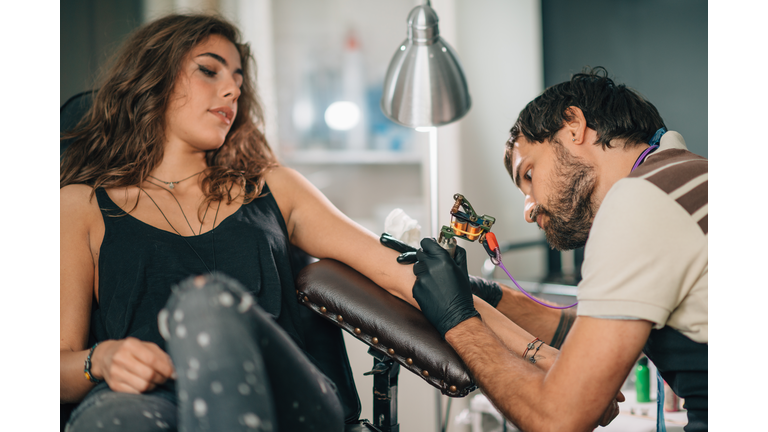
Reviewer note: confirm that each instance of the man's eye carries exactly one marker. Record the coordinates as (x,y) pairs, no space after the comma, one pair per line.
(207,72)
(527,175)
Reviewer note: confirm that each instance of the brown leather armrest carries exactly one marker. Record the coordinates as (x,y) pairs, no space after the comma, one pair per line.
(383,321)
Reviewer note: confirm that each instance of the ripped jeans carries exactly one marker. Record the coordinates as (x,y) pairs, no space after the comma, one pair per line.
(237,371)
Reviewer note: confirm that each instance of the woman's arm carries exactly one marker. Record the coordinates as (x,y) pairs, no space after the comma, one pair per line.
(317,227)
(76,289)
(127,365)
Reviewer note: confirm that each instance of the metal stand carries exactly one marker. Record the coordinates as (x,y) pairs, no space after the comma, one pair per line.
(385,371)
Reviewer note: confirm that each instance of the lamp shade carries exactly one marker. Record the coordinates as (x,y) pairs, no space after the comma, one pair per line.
(425,84)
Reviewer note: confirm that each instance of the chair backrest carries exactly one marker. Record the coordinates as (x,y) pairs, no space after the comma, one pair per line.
(69,115)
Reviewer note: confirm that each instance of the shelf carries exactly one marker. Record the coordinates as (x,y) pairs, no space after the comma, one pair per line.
(350,157)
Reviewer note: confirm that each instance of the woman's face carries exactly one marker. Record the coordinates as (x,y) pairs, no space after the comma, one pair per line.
(203,103)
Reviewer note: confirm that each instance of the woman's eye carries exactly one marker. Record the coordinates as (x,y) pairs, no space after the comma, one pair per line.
(207,72)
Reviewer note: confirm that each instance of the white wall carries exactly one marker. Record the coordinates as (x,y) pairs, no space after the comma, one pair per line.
(499,42)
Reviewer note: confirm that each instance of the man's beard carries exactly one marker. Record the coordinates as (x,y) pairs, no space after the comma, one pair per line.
(571,210)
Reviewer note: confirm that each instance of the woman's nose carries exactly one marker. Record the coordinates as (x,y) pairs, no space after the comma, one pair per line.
(231,89)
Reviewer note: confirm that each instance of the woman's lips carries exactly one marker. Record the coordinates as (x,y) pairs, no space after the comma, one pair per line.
(226,114)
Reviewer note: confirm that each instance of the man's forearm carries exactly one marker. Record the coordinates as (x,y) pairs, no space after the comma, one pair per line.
(510,383)
(496,371)
(514,337)
(549,325)
(515,387)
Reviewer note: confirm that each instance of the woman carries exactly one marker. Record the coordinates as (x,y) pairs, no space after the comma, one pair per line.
(170,176)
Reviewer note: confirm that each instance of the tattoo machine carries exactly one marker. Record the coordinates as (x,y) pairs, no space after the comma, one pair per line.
(466,224)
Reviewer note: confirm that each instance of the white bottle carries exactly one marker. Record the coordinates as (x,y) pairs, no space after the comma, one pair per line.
(353,90)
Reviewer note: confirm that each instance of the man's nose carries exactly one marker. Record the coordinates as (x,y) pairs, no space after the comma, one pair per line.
(528,208)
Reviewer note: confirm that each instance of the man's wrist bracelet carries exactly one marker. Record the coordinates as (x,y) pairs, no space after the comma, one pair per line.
(530,347)
(533,356)
(87,370)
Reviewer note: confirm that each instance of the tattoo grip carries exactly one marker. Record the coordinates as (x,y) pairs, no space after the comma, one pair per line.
(448,244)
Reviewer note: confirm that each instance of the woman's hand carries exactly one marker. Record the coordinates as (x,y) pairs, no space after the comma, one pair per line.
(131,365)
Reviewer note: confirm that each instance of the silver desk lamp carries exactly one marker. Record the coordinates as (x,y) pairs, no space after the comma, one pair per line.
(425,87)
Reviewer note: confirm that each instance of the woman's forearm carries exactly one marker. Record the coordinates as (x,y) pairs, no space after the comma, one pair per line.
(73,386)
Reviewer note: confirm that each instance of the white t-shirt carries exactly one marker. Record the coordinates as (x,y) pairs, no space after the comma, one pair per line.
(646,256)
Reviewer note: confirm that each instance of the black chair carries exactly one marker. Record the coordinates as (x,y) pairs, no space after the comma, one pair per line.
(338,297)
(69,115)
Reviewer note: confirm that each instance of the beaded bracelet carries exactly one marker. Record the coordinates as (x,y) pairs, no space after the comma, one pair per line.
(530,347)
(87,370)
(533,356)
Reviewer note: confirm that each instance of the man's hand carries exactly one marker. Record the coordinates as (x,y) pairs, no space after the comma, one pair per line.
(485,289)
(612,411)
(442,286)
(131,365)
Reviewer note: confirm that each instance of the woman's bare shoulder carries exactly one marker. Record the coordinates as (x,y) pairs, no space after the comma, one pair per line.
(288,180)
(76,192)
(77,201)
(292,191)
(280,175)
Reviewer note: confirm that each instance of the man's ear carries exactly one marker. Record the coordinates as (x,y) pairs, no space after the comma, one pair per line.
(575,124)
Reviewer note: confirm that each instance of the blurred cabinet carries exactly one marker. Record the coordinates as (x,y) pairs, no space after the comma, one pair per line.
(330,58)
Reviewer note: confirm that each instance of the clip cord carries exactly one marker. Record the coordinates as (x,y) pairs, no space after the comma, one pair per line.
(501,264)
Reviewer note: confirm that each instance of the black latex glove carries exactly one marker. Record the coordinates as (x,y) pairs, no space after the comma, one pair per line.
(407,252)
(485,289)
(442,286)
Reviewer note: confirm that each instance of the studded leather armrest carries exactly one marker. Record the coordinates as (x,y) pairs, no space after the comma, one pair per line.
(388,324)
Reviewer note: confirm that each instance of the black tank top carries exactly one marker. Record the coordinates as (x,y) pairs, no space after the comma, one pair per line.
(138,265)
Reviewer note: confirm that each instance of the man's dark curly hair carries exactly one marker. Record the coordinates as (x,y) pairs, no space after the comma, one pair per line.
(614,111)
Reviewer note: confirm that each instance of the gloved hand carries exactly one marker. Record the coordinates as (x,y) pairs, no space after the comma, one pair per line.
(485,289)
(442,286)
(407,252)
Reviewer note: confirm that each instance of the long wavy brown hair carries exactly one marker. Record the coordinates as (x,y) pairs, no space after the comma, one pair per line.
(120,139)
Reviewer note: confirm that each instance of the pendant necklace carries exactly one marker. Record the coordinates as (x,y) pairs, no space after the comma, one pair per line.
(172,184)
(213,236)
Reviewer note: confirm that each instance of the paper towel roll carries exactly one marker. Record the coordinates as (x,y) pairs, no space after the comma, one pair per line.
(402,227)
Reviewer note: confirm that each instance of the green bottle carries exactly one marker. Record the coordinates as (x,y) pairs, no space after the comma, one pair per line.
(643,380)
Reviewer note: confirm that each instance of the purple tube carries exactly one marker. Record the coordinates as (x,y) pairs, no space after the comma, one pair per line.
(501,264)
